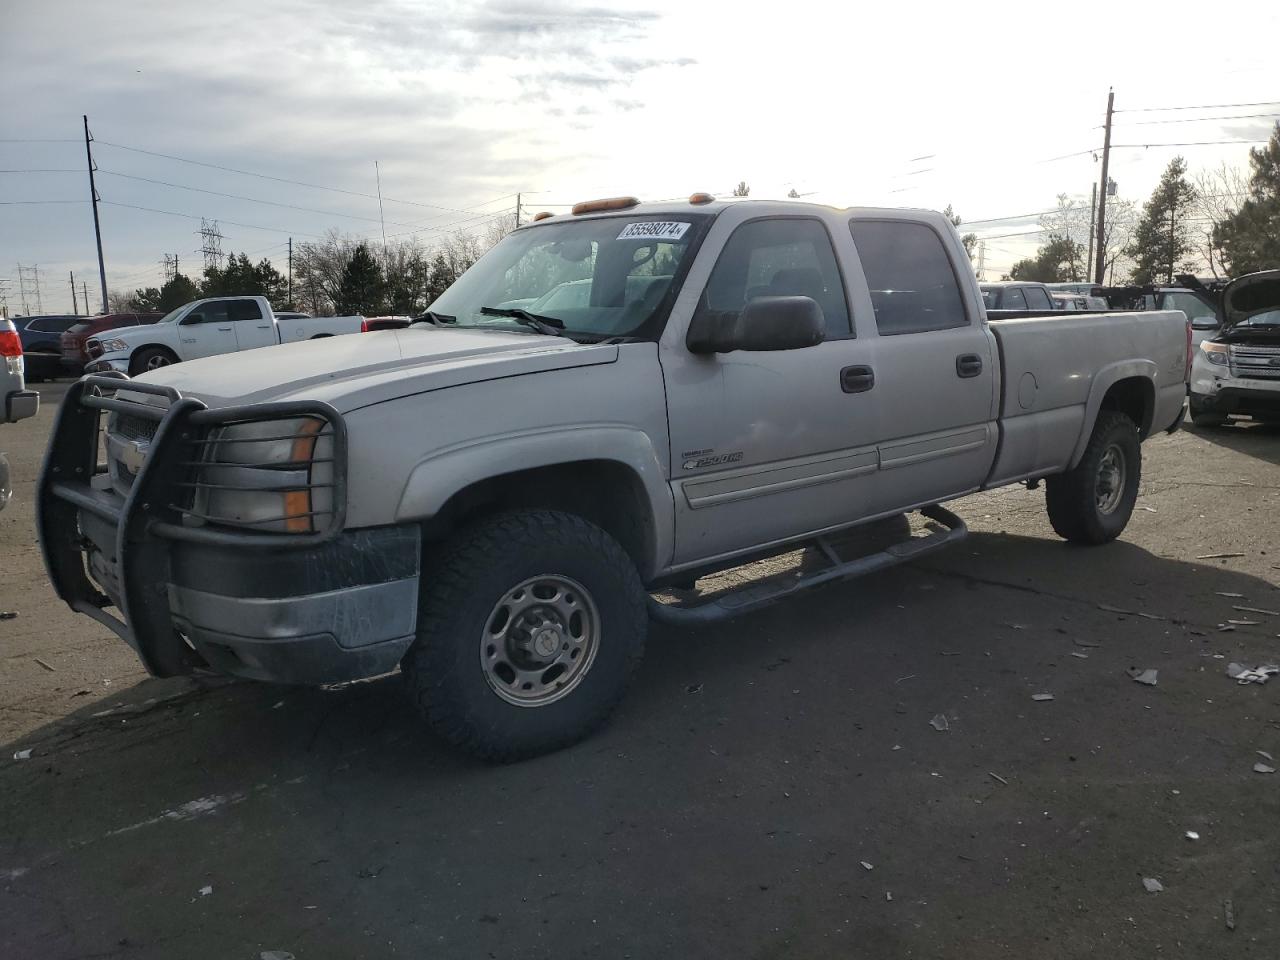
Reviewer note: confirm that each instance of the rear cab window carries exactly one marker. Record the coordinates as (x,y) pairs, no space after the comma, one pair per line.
(1037,299)
(779,257)
(914,288)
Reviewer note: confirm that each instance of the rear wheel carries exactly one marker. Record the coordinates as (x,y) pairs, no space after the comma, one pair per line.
(1093,502)
(153,358)
(529,628)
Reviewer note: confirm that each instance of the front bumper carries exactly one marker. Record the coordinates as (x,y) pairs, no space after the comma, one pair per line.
(316,608)
(108,365)
(1243,397)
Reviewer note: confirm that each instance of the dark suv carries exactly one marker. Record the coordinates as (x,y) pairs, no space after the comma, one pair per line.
(41,343)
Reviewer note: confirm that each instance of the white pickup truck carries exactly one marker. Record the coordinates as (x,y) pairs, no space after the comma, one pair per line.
(207,328)
(495,498)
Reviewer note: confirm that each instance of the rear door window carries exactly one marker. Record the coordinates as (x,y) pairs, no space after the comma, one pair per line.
(52,324)
(1037,299)
(1013,299)
(244,310)
(913,286)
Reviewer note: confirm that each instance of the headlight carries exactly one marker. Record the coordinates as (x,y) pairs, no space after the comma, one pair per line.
(1215,353)
(273,476)
(114,346)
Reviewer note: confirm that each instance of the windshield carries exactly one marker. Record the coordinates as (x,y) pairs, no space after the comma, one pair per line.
(172,314)
(1270,318)
(604,277)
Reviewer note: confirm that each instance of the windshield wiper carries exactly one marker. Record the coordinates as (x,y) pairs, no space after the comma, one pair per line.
(551,326)
(435,319)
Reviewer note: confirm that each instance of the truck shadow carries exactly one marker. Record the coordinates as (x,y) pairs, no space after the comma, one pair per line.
(1258,440)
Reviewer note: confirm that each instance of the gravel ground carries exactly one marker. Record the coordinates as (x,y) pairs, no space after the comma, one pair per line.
(770,788)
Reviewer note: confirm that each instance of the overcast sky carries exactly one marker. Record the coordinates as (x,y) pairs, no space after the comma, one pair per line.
(465,104)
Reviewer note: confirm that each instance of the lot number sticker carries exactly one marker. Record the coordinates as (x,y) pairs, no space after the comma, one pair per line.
(653,230)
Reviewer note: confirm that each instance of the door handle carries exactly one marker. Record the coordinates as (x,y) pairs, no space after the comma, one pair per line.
(968,365)
(857,379)
(264,326)
(225,329)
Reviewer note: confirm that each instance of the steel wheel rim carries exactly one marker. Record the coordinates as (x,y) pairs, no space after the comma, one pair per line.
(540,640)
(1109,485)
(156,362)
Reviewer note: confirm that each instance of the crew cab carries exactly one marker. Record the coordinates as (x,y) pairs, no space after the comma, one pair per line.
(498,500)
(16,401)
(1236,370)
(207,328)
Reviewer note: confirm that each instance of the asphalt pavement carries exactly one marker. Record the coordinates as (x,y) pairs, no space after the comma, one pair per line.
(774,787)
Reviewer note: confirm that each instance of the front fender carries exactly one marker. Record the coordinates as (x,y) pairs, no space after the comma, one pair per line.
(1103,381)
(446,472)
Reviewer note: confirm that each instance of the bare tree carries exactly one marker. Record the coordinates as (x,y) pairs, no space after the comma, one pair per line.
(1219,195)
(741,190)
(495,230)
(120,301)
(318,267)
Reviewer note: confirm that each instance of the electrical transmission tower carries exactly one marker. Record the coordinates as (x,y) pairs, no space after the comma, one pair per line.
(170,266)
(211,243)
(29,288)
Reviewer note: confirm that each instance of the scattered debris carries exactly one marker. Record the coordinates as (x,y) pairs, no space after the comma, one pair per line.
(897,746)
(1220,556)
(1148,509)
(206,891)
(1151,616)
(1078,655)
(1261,767)
(1245,623)
(1264,755)
(1143,676)
(1110,609)
(1152,885)
(277,705)
(44,664)
(1086,643)
(23,754)
(940,723)
(1265,613)
(275,955)
(997,778)
(1229,914)
(8,614)
(1225,628)
(1260,674)
(909,676)
(693,688)
(888,896)
(865,865)
(367,874)
(1233,596)
(1192,835)
(1042,696)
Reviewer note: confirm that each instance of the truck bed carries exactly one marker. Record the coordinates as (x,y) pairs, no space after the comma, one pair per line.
(1056,368)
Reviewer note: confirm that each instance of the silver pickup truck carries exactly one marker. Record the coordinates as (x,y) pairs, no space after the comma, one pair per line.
(492,497)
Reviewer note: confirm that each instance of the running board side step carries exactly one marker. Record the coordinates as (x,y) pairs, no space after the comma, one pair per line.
(753,597)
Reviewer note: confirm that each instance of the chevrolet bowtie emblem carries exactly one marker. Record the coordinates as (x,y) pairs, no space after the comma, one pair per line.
(133,454)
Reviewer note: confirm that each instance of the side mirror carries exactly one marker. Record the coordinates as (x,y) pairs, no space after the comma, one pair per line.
(765,323)
(1204,323)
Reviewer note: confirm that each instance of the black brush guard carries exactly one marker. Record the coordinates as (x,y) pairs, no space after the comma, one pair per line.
(151,516)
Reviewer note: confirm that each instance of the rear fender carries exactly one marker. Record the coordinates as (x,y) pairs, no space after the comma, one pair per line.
(1104,380)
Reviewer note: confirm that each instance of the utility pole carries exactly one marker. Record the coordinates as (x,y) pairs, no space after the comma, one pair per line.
(97,226)
(1173,221)
(1093,219)
(378,173)
(75,306)
(517,210)
(291,273)
(1099,252)
(982,259)
(84,289)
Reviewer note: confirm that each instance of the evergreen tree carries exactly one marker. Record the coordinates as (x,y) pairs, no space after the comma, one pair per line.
(970,240)
(362,288)
(1162,240)
(1250,240)
(1054,262)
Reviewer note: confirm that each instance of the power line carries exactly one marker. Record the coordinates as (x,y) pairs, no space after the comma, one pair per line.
(45,170)
(18,203)
(298,183)
(1239,116)
(19,140)
(1207,106)
(1191,143)
(191,216)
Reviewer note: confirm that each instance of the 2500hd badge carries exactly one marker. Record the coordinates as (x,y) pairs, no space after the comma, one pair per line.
(697,463)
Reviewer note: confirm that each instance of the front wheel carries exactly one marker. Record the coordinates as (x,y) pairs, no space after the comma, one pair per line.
(1093,502)
(153,358)
(529,629)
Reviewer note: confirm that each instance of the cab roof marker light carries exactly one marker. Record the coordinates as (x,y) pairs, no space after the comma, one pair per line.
(612,203)
(700,198)
(542,216)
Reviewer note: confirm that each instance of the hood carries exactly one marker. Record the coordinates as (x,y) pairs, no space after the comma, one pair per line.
(356,370)
(1249,296)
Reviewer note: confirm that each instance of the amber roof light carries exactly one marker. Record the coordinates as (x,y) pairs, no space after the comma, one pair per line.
(542,216)
(697,198)
(613,203)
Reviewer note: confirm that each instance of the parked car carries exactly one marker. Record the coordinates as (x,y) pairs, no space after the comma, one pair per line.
(495,499)
(1070,301)
(1201,308)
(1236,370)
(17,401)
(1017,295)
(207,328)
(41,343)
(72,342)
(1083,289)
